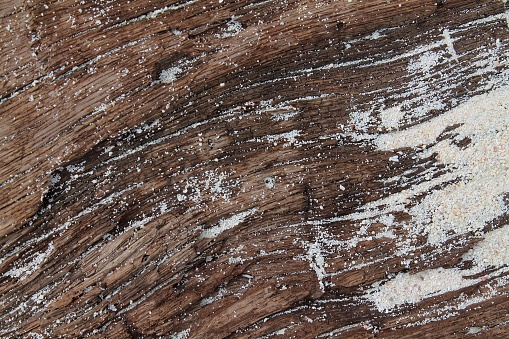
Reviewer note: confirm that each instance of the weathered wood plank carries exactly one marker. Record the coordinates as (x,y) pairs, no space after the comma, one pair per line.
(198,169)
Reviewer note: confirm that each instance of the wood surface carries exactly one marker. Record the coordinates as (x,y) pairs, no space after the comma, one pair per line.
(208,169)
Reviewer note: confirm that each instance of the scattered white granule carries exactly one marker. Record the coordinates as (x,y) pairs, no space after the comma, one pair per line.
(226,224)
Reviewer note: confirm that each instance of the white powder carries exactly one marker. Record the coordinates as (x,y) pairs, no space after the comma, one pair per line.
(290,138)
(29,268)
(412,288)
(492,251)
(495,102)
(233,28)
(408,288)
(226,224)
(481,167)
(317,262)
(168,76)
(426,62)
(391,117)
(450,46)
(181,335)
(479,172)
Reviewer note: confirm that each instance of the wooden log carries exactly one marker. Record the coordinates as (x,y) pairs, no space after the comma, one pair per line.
(213,169)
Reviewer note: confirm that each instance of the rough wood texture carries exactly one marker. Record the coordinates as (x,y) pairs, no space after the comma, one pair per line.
(212,169)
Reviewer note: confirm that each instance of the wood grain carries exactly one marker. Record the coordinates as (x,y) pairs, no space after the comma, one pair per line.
(213,169)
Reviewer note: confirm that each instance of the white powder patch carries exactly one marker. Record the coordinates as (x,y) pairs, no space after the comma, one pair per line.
(76,168)
(181,335)
(172,74)
(135,224)
(408,288)
(163,208)
(54,179)
(317,262)
(426,62)
(375,35)
(233,28)
(361,120)
(492,251)
(168,76)
(391,117)
(412,288)
(290,138)
(450,46)
(481,167)
(495,102)
(209,300)
(226,224)
(425,90)
(25,270)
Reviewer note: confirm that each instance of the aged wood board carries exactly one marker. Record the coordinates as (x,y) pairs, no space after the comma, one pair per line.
(254,169)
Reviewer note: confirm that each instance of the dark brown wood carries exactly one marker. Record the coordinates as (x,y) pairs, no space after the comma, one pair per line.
(218,169)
